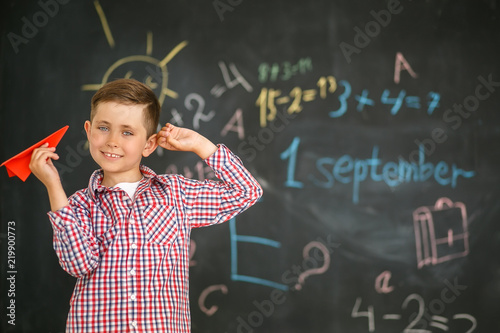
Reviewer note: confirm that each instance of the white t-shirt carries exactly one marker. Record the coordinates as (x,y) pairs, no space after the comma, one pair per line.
(130,188)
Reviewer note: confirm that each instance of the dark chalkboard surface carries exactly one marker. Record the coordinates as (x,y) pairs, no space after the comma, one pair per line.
(373,127)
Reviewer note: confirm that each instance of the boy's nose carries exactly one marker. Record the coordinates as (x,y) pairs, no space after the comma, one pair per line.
(112,141)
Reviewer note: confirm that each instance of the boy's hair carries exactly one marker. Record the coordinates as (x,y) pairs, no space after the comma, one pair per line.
(130,91)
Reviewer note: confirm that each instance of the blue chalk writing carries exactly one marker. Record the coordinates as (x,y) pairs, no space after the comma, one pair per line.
(342,99)
(387,97)
(363,100)
(349,170)
(291,154)
(396,102)
(434,101)
(413,102)
(235,238)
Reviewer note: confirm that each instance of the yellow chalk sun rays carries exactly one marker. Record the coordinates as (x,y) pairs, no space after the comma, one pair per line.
(147,59)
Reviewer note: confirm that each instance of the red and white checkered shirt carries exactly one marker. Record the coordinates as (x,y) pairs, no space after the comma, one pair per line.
(131,256)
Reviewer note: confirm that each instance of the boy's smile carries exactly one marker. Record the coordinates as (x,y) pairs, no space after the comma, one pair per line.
(118,141)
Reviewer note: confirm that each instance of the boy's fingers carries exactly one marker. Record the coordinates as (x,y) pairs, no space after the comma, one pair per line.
(173,143)
(43,155)
(160,138)
(44,147)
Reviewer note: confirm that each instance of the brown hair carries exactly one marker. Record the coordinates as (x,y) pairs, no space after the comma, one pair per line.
(130,91)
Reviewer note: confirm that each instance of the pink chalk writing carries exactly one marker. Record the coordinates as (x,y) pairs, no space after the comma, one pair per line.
(440,232)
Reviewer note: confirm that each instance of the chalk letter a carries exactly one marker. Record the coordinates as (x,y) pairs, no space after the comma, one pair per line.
(401,64)
(235,124)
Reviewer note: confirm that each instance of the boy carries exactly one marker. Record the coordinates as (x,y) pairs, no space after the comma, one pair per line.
(126,236)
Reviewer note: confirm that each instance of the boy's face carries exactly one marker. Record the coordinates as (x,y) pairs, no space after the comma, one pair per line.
(118,141)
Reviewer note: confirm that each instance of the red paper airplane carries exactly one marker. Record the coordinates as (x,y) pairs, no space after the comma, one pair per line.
(19,164)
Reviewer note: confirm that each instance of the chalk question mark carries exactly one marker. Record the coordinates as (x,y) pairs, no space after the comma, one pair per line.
(313,271)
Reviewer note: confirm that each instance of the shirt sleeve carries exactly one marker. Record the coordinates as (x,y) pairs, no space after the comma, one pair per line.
(74,242)
(210,202)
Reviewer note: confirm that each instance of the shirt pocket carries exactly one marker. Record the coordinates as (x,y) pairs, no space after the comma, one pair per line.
(161,224)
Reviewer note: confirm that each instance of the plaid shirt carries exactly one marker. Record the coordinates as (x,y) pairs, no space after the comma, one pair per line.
(131,257)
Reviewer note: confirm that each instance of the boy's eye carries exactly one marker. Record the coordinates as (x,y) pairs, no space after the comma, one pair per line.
(127,133)
(102,128)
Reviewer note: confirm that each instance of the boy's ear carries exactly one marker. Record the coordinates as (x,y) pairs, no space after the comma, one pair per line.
(87,127)
(150,147)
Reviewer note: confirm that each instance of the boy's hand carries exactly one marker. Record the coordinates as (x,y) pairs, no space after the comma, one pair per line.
(183,139)
(42,167)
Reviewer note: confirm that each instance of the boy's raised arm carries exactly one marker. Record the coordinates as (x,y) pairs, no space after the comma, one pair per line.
(211,202)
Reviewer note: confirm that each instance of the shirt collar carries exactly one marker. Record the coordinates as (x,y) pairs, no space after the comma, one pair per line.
(97,176)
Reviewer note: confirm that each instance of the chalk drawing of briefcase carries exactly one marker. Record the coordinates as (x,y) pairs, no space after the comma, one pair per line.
(440,232)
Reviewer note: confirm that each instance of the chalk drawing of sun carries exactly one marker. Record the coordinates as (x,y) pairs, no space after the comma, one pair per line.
(153,72)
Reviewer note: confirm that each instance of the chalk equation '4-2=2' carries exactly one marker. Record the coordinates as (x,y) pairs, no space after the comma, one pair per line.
(419,320)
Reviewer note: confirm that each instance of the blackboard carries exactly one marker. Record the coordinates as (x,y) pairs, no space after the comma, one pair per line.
(373,127)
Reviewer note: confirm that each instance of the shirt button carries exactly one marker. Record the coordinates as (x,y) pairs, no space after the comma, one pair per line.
(131,220)
(134,246)
(132,297)
(132,271)
(133,324)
